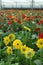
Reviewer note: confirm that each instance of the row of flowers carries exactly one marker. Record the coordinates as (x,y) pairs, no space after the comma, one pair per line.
(17,44)
(21,37)
(12,44)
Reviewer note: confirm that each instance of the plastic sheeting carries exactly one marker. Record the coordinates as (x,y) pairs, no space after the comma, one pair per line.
(22,3)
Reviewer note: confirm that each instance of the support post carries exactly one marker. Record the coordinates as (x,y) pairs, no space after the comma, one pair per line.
(0,4)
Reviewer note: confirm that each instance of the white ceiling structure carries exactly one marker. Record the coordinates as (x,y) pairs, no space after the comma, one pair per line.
(22,3)
(16,0)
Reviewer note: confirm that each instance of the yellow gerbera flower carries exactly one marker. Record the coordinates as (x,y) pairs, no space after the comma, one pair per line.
(24,49)
(30,53)
(11,36)
(9,50)
(40,43)
(27,28)
(17,44)
(6,40)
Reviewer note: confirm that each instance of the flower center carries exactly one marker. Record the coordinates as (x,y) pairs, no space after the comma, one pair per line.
(41,43)
(17,43)
(10,37)
(6,39)
(29,53)
(23,49)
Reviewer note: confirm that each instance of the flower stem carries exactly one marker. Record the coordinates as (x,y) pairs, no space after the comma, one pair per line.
(30,61)
(40,56)
(26,61)
(9,62)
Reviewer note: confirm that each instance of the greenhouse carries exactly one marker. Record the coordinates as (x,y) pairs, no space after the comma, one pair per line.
(21,4)
(21,32)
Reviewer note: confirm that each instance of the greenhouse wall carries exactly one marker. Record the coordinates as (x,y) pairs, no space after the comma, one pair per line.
(22,4)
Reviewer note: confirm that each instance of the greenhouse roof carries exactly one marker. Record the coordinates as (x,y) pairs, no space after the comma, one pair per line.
(22,3)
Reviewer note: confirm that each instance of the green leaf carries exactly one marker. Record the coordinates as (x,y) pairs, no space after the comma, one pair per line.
(41,52)
(38,62)
(16,64)
(1,62)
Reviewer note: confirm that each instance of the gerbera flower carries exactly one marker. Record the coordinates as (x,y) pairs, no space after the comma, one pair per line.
(23,16)
(6,40)
(17,44)
(40,43)
(30,53)
(41,35)
(9,50)
(32,17)
(40,22)
(39,16)
(8,16)
(24,49)
(37,29)
(11,36)
(9,22)
(19,21)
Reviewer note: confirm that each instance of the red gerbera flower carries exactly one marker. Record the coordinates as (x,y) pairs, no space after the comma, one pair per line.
(8,16)
(9,22)
(37,29)
(32,17)
(41,35)
(40,22)
(39,16)
(23,16)
(19,21)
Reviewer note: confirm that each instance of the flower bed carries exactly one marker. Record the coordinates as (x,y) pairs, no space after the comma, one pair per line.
(21,37)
